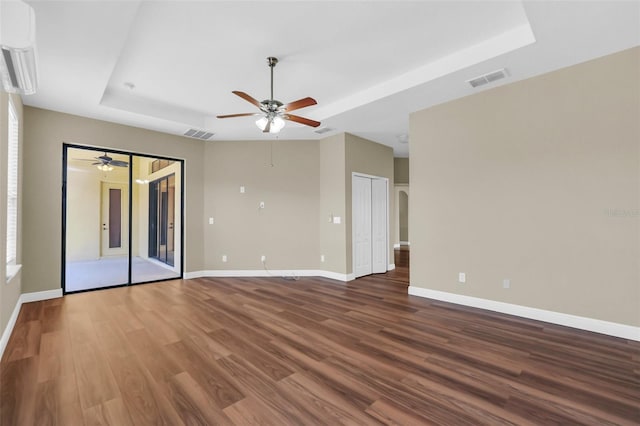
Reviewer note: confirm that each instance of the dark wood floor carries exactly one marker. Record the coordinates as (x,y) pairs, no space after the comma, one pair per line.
(314,351)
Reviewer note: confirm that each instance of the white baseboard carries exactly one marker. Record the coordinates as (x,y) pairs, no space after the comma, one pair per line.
(9,328)
(583,323)
(271,273)
(24,298)
(405,243)
(395,246)
(40,295)
(335,276)
(391,267)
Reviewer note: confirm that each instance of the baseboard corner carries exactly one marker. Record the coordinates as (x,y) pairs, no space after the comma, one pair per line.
(24,298)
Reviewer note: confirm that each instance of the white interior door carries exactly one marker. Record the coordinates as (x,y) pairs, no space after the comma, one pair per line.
(361,223)
(379,225)
(114,223)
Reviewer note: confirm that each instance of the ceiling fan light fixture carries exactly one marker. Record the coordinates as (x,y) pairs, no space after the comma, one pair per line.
(277,124)
(104,167)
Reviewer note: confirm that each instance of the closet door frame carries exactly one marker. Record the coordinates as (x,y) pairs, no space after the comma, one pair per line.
(354,252)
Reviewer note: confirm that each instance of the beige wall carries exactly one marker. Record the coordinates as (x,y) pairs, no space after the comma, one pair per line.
(403,215)
(401,170)
(45,131)
(370,158)
(333,237)
(286,175)
(83,216)
(9,292)
(282,174)
(537,182)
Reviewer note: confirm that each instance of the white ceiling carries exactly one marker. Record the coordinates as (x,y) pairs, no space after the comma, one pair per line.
(369,64)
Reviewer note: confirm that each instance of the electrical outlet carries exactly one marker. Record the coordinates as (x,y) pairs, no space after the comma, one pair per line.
(210,221)
(242,189)
(263,258)
(322,258)
(462,277)
(224,257)
(262,204)
(506,283)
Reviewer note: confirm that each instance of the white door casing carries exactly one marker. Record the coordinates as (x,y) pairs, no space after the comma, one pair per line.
(379,225)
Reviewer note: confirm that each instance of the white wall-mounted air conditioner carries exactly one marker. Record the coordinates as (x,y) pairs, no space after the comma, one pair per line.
(18,47)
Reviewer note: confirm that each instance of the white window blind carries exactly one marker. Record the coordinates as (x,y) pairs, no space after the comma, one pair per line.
(12,184)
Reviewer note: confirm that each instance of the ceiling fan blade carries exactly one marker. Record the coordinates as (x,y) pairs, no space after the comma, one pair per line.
(267,128)
(301,120)
(118,163)
(300,103)
(97,164)
(247,98)
(244,114)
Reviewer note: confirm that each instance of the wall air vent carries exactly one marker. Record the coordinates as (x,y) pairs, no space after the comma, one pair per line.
(489,77)
(198,134)
(323,130)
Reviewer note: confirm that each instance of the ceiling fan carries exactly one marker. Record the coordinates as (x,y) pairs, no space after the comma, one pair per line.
(274,112)
(106,163)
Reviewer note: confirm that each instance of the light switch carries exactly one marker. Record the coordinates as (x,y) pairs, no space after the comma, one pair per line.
(224,257)
(242,189)
(462,277)
(337,220)
(210,221)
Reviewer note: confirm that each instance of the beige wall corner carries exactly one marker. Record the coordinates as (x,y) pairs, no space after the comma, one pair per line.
(332,204)
(370,158)
(282,174)
(401,170)
(44,133)
(536,182)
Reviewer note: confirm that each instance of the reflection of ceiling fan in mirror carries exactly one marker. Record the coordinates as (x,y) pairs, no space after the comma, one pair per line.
(106,163)
(273,112)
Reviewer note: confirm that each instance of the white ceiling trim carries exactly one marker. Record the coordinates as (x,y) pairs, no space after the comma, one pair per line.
(506,42)
(152,108)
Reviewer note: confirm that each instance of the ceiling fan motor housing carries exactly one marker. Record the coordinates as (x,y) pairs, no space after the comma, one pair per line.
(271,105)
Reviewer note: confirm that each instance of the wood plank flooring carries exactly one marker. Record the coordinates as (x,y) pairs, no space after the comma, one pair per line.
(315,351)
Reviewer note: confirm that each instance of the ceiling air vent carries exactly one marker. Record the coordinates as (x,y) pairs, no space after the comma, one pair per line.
(488,78)
(323,130)
(198,134)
